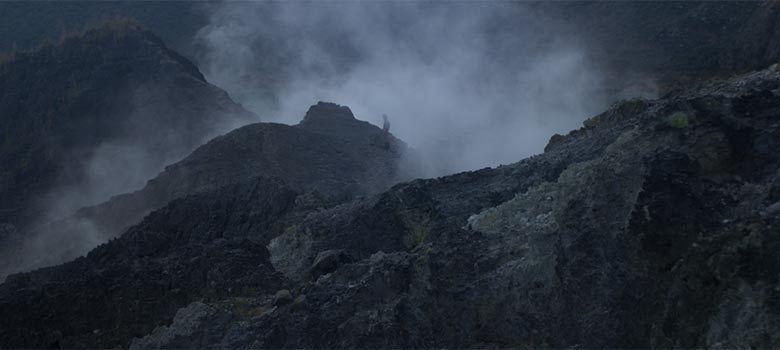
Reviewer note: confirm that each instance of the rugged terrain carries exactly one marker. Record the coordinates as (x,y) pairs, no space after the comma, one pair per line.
(654,225)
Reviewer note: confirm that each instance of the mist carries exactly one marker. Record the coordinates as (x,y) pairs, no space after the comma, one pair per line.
(467,85)
(158,131)
(154,129)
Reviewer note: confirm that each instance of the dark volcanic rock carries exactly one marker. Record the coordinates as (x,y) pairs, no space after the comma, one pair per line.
(282,297)
(648,227)
(630,232)
(200,248)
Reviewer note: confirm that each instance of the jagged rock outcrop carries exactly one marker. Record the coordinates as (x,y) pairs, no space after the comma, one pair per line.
(651,226)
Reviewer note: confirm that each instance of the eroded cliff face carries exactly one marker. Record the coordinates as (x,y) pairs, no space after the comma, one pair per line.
(654,225)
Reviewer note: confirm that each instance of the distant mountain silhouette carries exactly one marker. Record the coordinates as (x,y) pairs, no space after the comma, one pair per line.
(108,92)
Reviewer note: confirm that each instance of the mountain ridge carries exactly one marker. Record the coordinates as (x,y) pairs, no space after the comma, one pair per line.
(655,212)
(654,225)
(91,116)
(330,154)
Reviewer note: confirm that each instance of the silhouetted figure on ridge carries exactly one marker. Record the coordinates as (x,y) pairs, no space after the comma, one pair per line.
(386,129)
(385,123)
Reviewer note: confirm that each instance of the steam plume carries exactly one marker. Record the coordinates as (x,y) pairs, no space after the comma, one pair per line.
(468,84)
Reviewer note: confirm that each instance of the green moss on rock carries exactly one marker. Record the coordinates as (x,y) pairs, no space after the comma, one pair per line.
(418,224)
(679,120)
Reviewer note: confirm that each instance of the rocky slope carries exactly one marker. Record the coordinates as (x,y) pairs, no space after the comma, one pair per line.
(329,152)
(654,225)
(329,155)
(69,111)
(95,115)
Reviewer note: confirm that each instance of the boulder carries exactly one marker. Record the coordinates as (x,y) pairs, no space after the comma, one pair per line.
(283,297)
(328,261)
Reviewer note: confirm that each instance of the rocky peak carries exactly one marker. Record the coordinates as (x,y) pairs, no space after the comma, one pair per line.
(334,120)
(327,112)
(656,212)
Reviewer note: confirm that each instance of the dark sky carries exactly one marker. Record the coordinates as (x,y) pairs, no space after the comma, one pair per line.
(27,23)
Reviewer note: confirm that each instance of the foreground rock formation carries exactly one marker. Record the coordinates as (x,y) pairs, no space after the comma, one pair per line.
(654,225)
